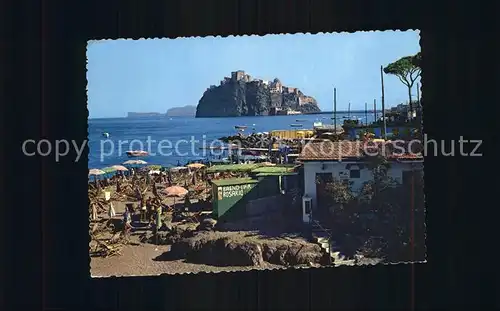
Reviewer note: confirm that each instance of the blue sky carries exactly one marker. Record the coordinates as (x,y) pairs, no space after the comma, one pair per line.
(154,75)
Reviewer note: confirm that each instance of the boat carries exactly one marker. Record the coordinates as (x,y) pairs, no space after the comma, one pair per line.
(296,125)
(105,134)
(300,120)
(240,127)
(137,153)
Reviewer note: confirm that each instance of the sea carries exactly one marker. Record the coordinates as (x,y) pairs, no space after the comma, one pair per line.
(175,140)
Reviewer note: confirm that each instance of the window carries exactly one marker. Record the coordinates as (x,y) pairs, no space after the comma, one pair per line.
(324,177)
(354,174)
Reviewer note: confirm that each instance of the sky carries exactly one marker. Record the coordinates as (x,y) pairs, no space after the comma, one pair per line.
(153,75)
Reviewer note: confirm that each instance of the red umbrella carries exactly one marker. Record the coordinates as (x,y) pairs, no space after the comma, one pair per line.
(175,191)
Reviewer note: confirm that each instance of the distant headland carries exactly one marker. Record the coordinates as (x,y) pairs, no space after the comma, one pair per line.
(143,114)
(240,95)
(186,111)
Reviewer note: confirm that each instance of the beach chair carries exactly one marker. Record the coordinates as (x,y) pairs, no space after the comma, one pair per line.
(193,218)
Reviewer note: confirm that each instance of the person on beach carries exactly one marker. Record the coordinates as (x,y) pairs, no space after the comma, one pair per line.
(144,210)
(127,223)
(149,209)
(157,226)
(111,210)
(118,186)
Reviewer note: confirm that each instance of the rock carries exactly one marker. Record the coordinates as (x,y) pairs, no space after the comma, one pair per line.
(249,98)
(245,254)
(227,251)
(294,254)
(313,265)
(207,224)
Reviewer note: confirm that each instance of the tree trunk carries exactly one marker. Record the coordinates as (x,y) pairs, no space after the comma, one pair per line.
(410,104)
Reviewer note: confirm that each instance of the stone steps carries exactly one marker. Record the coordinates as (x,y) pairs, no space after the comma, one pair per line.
(338,258)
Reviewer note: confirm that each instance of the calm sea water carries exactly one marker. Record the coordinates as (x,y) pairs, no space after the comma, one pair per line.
(175,129)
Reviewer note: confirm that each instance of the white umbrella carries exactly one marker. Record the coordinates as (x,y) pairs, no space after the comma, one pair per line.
(96,171)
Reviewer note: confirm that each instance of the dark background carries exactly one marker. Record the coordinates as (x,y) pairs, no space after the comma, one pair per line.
(44,256)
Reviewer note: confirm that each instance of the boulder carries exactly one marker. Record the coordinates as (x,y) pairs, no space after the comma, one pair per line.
(207,224)
(230,251)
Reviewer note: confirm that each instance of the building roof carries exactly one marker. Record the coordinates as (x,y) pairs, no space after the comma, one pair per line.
(276,174)
(329,150)
(232,168)
(234,181)
(274,169)
(346,150)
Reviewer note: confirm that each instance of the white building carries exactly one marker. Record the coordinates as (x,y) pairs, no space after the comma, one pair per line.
(345,160)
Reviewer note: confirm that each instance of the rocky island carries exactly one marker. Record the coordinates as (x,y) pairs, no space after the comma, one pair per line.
(240,95)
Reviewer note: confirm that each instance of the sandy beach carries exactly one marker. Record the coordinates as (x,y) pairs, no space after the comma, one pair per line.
(139,260)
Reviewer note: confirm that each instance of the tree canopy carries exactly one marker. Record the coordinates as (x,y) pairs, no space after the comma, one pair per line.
(417,60)
(407,69)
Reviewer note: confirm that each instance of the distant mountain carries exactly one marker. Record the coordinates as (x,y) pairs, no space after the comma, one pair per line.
(143,114)
(186,111)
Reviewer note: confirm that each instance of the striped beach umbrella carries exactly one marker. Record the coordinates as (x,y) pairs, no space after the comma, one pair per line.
(120,168)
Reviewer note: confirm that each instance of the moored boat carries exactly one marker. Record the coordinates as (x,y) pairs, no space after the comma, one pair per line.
(300,120)
(137,153)
(296,125)
(240,127)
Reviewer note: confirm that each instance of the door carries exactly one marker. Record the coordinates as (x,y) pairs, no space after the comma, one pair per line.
(321,180)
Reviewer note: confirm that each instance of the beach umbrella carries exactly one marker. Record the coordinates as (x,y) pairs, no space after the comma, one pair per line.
(95,172)
(196,165)
(178,168)
(175,191)
(108,170)
(119,168)
(135,162)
